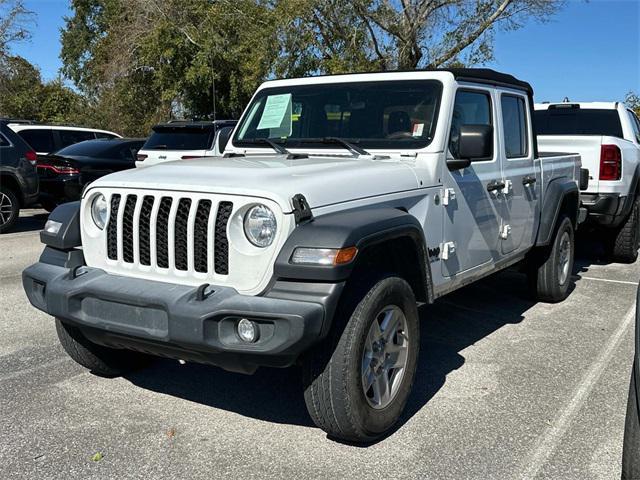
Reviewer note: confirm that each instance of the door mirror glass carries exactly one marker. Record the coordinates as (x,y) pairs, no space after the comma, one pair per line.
(223,138)
(476,142)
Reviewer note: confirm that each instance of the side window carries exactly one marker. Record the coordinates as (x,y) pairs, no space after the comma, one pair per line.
(635,124)
(3,141)
(40,140)
(472,107)
(514,124)
(69,137)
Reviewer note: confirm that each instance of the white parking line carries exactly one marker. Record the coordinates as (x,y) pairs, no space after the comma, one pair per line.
(624,282)
(550,439)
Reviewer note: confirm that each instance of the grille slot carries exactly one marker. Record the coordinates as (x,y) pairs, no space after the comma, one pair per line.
(143,227)
(127,228)
(221,242)
(112,228)
(144,230)
(180,234)
(200,236)
(162,232)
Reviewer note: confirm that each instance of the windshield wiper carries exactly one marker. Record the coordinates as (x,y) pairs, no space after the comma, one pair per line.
(353,149)
(278,148)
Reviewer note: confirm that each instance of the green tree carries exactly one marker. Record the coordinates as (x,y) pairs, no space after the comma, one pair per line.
(24,95)
(632,100)
(140,60)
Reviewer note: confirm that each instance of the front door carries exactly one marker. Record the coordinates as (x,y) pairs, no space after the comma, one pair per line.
(521,185)
(471,200)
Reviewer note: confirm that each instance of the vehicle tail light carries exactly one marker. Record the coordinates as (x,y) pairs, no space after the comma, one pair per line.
(31,156)
(610,162)
(62,169)
(141,157)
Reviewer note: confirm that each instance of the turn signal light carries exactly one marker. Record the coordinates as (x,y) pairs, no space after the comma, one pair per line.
(323,256)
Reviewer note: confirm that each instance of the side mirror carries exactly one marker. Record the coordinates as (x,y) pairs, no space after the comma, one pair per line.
(475,143)
(223,138)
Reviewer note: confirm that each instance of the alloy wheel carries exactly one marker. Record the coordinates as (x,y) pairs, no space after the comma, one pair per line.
(385,356)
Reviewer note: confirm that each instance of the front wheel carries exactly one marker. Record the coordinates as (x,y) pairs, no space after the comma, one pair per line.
(357,382)
(103,361)
(631,445)
(550,271)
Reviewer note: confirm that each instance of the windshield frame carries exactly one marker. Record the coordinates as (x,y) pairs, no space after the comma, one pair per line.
(362,143)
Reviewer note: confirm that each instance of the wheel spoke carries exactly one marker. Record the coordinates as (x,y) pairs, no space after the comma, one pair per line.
(397,356)
(368,378)
(390,325)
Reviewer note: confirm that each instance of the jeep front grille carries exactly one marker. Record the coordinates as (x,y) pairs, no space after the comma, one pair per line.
(188,222)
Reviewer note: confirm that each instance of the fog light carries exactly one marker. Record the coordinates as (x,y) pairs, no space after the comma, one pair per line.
(247,330)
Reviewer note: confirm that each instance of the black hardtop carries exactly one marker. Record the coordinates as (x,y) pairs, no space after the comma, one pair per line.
(475,75)
(195,124)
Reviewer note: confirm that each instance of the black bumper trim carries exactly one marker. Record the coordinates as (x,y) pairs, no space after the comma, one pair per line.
(607,209)
(168,320)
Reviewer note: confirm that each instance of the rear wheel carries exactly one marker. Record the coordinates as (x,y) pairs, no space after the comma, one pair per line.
(550,271)
(357,383)
(9,209)
(108,362)
(625,240)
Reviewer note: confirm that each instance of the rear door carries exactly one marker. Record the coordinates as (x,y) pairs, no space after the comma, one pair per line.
(519,197)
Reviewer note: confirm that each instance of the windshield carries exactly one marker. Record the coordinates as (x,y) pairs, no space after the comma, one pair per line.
(180,139)
(383,114)
(577,121)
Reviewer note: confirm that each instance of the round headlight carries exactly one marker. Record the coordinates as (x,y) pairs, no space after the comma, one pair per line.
(260,226)
(99,210)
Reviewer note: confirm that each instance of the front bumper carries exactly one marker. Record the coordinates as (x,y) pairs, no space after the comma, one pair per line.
(170,320)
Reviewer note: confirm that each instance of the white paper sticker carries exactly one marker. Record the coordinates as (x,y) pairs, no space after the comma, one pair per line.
(418,129)
(276,113)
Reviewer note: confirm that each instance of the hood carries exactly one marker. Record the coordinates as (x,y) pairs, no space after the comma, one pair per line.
(322,180)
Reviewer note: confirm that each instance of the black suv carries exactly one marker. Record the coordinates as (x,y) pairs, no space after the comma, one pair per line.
(18,176)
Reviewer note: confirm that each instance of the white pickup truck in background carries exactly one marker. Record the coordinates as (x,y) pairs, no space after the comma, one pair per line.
(607,137)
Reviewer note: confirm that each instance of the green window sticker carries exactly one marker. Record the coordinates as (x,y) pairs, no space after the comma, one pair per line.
(276,115)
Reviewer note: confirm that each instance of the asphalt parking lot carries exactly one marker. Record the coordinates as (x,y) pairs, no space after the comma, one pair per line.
(505,389)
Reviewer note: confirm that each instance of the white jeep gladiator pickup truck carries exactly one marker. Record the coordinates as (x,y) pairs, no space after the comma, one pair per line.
(342,202)
(607,137)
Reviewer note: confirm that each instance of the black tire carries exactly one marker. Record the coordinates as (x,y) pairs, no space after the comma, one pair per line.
(546,280)
(332,372)
(631,446)
(625,240)
(103,361)
(9,209)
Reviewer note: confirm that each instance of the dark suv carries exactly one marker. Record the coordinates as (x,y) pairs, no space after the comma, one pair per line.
(18,176)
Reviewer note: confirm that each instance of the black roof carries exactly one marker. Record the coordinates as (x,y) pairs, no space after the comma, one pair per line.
(203,124)
(476,75)
(487,75)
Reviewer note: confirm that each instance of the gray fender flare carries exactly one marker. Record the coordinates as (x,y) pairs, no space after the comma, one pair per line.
(556,193)
(362,228)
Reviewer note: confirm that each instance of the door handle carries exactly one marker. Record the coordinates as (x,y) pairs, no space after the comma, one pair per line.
(528,180)
(495,185)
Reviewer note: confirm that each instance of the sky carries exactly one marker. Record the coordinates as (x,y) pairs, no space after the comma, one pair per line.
(589,51)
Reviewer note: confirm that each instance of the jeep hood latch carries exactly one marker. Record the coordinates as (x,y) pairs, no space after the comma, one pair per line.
(301,209)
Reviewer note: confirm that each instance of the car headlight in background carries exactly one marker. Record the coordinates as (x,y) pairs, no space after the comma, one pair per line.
(260,226)
(99,211)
